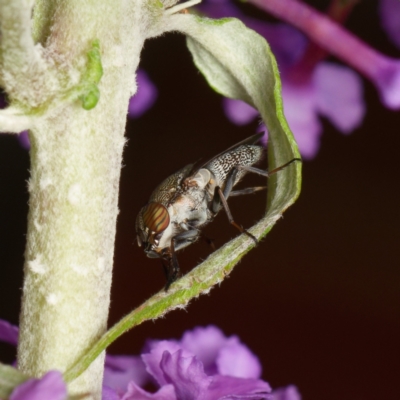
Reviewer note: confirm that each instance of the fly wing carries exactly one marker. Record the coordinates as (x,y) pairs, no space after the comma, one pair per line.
(201,164)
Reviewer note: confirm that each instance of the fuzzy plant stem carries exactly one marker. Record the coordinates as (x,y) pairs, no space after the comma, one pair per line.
(75,169)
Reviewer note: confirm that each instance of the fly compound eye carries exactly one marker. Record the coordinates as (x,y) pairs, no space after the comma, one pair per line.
(156,218)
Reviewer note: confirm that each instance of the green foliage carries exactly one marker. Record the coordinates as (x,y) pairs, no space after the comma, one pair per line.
(9,379)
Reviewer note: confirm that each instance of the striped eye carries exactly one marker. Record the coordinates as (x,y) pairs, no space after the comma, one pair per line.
(156,217)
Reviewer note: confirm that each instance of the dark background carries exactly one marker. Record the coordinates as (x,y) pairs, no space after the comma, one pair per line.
(318,299)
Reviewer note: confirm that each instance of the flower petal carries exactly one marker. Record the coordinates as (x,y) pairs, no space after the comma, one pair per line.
(109,394)
(239,112)
(387,79)
(287,43)
(301,114)
(227,387)
(205,344)
(187,375)
(50,386)
(145,96)
(8,332)
(287,393)
(152,359)
(120,370)
(24,141)
(339,95)
(389,11)
(235,359)
(134,392)
(220,9)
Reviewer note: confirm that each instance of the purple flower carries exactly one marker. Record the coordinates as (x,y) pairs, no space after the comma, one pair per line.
(23,139)
(50,386)
(221,355)
(287,393)
(309,90)
(145,96)
(121,370)
(239,112)
(332,91)
(204,364)
(383,71)
(109,394)
(389,11)
(8,333)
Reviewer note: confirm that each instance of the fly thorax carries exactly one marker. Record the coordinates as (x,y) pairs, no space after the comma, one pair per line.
(210,189)
(190,208)
(199,180)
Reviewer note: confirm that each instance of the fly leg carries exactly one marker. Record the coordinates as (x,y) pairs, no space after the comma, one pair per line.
(250,190)
(267,173)
(171,265)
(220,197)
(171,268)
(220,200)
(187,226)
(209,241)
(259,171)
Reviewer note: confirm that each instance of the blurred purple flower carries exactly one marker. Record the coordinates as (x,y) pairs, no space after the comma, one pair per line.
(239,112)
(8,333)
(203,365)
(121,370)
(221,355)
(389,11)
(332,91)
(109,394)
(325,89)
(145,96)
(50,386)
(287,393)
(386,74)
(23,139)
(329,35)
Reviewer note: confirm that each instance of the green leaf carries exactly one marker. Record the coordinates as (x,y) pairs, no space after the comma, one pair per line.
(9,379)
(238,63)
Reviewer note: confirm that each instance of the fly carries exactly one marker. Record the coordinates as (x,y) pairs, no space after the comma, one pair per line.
(184,203)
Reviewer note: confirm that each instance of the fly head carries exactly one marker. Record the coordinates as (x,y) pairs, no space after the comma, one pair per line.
(152,221)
